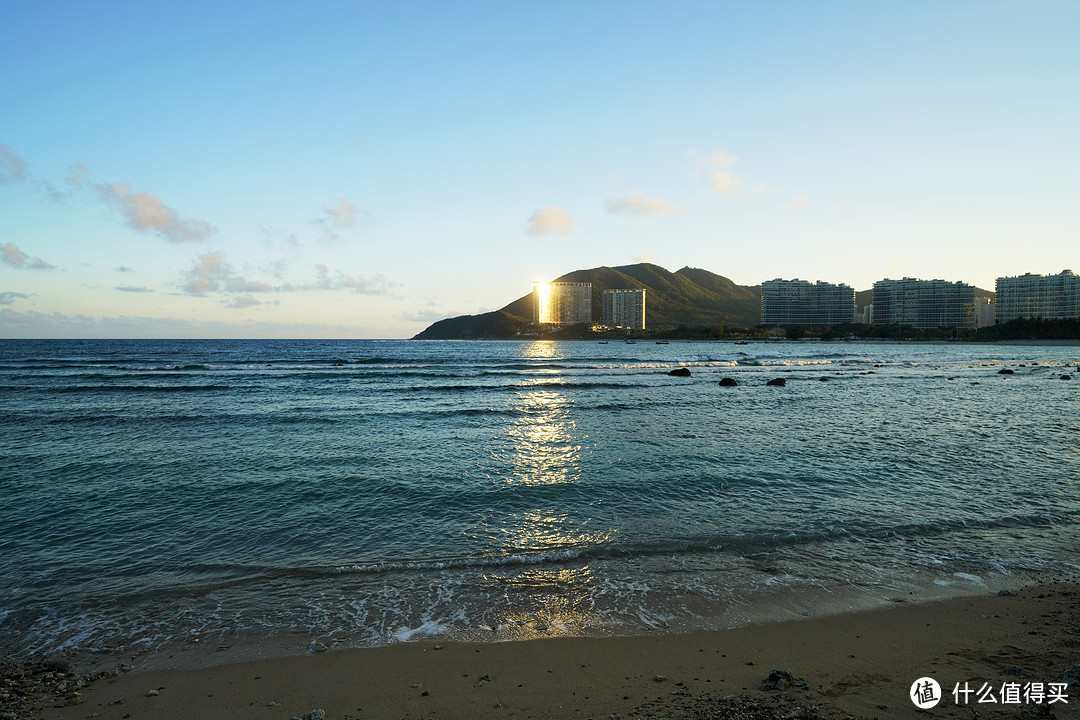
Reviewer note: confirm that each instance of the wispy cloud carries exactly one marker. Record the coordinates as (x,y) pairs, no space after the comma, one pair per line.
(123,268)
(37,324)
(647,258)
(146,211)
(245,301)
(336,218)
(16,258)
(716,159)
(424,316)
(725,183)
(12,167)
(718,171)
(801,200)
(551,220)
(327,279)
(638,203)
(7,298)
(212,273)
(133,289)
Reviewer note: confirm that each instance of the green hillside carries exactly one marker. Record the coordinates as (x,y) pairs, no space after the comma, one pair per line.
(691,297)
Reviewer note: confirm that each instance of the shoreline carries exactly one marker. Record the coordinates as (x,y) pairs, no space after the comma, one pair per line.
(859,664)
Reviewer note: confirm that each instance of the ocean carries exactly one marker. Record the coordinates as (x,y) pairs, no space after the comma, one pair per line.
(222,499)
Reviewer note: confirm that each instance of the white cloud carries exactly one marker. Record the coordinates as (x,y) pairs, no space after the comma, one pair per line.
(801,200)
(12,167)
(132,289)
(145,211)
(647,258)
(724,183)
(336,280)
(550,221)
(34,324)
(16,258)
(338,217)
(79,176)
(638,203)
(715,159)
(425,316)
(246,301)
(213,274)
(7,298)
(718,165)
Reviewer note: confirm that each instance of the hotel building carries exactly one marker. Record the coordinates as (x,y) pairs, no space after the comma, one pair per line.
(924,303)
(562,303)
(1051,297)
(624,309)
(800,302)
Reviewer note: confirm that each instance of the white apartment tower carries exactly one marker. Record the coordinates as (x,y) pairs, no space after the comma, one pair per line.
(624,309)
(924,303)
(1051,297)
(562,303)
(801,302)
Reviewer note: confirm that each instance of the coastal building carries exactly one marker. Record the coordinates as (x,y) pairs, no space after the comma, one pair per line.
(624,309)
(562,303)
(801,302)
(1051,297)
(924,303)
(865,315)
(985,312)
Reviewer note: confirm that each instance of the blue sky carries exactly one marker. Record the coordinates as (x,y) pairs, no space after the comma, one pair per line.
(363,169)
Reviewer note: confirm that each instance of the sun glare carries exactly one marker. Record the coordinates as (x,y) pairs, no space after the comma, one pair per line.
(542,292)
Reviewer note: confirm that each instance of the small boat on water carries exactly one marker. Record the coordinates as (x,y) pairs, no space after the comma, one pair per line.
(741,342)
(602,342)
(661,342)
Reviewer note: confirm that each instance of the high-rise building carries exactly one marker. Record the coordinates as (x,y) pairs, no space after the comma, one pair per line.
(562,303)
(924,303)
(624,309)
(1051,297)
(800,302)
(985,311)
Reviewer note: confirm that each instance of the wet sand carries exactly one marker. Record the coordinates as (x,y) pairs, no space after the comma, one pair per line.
(855,665)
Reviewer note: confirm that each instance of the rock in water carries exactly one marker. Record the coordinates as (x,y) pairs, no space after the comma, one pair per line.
(1005,371)
(778,382)
(680,372)
(728,382)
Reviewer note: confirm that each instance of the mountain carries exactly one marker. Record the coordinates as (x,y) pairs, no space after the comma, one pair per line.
(690,296)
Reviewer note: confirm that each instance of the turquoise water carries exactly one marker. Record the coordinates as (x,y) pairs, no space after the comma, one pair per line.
(371,492)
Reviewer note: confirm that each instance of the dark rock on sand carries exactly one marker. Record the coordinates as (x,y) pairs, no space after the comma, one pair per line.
(680,372)
(728,382)
(778,382)
(781,680)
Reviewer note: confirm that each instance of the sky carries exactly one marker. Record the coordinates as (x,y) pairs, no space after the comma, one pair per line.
(363,169)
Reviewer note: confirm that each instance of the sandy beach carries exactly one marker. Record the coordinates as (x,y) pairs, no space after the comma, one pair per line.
(854,665)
